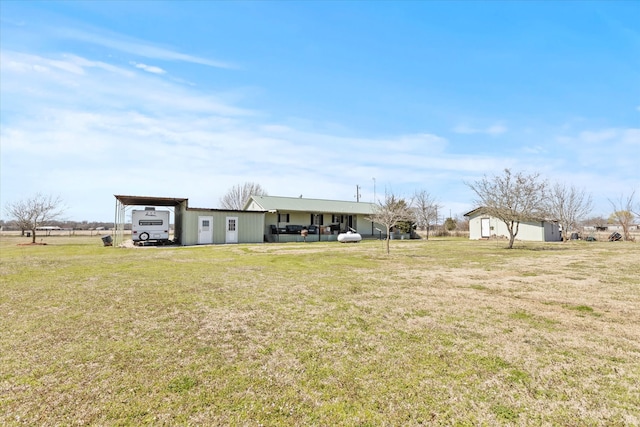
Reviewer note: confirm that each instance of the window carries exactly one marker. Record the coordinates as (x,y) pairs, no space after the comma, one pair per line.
(283,217)
(317,219)
(143,222)
(232,225)
(337,218)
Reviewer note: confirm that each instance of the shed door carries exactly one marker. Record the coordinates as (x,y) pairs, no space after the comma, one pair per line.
(485,227)
(232,230)
(205,230)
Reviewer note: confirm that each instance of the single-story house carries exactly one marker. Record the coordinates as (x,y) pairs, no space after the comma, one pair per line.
(285,217)
(484,226)
(263,219)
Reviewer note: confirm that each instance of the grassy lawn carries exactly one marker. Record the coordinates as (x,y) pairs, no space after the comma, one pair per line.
(439,332)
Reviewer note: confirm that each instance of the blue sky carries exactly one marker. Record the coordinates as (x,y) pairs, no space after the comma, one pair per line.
(187,99)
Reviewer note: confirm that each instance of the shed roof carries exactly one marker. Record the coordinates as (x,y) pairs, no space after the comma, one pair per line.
(482,209)
(149,201)
(474,211)
(298,204)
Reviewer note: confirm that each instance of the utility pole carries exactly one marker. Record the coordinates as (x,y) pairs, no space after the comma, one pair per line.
(374,189)
(436,226)
(357,193)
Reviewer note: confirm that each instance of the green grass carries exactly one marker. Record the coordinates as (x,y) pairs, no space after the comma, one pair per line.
(438,332)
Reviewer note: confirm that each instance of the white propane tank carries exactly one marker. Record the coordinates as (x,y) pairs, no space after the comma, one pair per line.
(349,237)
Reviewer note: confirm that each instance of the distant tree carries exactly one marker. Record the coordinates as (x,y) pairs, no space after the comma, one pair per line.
(462,223)
(450,224)
(237,196)
(34,212)
(512,198)
(390,213)
(568,205)
(595,221)
(425,210)
(623,213)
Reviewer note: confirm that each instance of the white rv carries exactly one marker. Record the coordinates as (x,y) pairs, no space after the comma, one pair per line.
(149,224)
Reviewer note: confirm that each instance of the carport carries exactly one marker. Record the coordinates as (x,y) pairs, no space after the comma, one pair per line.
(124,203)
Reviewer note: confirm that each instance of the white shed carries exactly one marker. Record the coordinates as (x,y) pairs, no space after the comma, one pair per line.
(484,226)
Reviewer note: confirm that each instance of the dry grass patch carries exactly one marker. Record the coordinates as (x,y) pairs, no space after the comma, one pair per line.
(447,332)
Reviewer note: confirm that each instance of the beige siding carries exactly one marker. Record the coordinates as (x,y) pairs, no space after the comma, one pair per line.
(543,231)
(253,206)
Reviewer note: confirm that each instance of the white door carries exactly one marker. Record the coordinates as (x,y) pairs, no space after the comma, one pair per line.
(232,230)
(205,230)
(485,227)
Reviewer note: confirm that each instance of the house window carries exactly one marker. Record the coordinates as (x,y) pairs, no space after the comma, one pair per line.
(337,218)
(283,217)
(317,219)
(232,225)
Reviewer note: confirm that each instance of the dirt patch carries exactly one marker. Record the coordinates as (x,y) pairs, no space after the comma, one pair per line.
(31,244)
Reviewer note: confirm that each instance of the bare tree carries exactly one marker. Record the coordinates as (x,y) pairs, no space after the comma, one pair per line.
(623,213)
(34,212)
(237,196)
(512,198)
(462,222)
(390,213)
(568,205)
(425,210)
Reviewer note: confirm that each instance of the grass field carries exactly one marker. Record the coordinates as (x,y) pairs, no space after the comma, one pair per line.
(439,332)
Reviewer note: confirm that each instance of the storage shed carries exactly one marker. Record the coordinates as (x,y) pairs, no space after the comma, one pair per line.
(217,226)
(197,226)
(485,226)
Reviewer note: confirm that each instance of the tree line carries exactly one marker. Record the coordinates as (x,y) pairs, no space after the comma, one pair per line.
(513,198)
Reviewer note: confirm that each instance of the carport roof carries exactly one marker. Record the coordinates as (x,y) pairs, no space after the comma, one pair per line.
(149,201)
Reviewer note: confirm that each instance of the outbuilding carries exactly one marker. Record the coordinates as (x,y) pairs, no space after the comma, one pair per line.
(484,226)
(196,226)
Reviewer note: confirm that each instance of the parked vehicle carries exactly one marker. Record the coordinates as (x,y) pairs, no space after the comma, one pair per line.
(149,224)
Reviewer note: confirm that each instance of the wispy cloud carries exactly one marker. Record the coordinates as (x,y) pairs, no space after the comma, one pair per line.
(19,63)
(148,68)
(534,149)
(493,130)
(608,152)
(136,47)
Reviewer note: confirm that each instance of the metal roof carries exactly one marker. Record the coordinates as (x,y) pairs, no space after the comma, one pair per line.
(298,204)
(482,209)
(474,211)
(149,201)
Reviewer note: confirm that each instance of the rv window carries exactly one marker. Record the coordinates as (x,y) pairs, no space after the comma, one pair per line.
(150,222)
